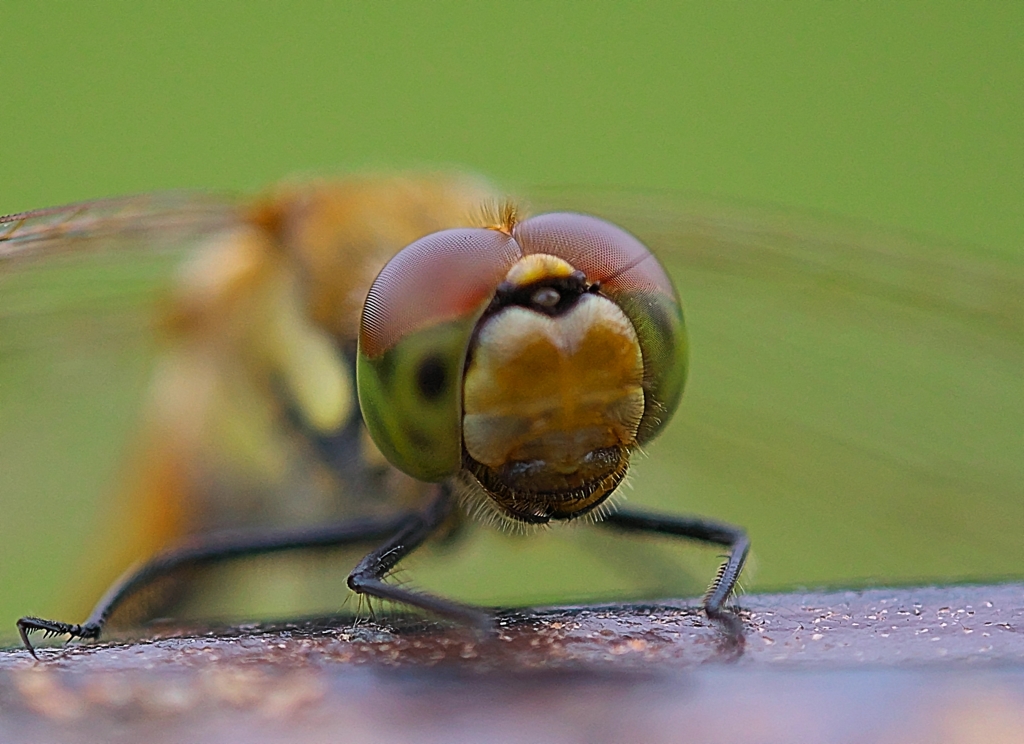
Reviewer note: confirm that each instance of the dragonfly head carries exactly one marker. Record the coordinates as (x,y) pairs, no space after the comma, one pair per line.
(530,362)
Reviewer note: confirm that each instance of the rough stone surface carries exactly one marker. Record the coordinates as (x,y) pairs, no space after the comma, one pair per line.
(924,664)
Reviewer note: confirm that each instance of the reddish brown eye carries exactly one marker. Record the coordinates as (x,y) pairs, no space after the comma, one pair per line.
(441,277)
(604,252)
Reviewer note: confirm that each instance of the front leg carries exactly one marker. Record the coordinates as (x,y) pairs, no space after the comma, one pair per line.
(207,550)
(368,576)
(706,530)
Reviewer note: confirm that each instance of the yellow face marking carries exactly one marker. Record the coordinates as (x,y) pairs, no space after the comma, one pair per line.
(538,266)
(553,389)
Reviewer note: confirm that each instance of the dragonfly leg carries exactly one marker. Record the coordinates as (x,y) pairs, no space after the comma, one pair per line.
(368,576)
(705,530)
(208,550)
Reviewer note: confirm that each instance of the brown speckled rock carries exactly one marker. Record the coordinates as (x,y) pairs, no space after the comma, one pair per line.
(914,664)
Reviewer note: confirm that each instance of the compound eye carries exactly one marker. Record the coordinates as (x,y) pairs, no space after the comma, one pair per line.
(414,333)
(604,252)
(442,277)
(625,271)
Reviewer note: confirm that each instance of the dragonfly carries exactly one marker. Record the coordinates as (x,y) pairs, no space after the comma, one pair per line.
(337,363)
(407,352)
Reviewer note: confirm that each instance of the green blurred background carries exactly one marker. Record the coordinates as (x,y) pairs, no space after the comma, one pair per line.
(894,451)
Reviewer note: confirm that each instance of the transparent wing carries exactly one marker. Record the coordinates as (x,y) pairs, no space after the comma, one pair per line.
(158,219)
(79,286)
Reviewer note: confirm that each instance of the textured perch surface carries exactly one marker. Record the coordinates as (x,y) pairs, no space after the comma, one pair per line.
(930,664)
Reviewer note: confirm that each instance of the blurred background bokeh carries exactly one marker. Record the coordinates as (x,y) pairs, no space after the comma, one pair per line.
(857,389)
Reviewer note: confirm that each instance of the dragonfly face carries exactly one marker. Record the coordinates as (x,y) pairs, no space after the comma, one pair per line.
(548,348)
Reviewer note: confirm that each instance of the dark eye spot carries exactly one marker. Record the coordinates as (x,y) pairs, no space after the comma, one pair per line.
(431,377)
(419,440)
(546,297)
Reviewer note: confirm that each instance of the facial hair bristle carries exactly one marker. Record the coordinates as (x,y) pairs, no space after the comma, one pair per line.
(502,216)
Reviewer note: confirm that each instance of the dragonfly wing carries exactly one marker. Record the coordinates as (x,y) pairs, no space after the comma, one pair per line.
(148,221)
(80,289)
